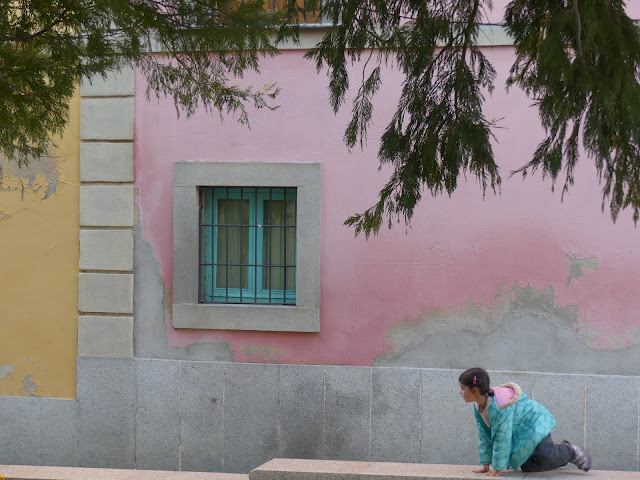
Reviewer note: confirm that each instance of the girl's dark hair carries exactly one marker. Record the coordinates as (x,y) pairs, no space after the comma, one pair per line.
(476,377)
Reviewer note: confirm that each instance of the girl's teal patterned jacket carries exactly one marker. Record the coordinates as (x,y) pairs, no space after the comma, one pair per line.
(516,430)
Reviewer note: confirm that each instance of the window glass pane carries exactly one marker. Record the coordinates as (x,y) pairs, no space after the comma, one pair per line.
(291,278)
(273,255)
(279,241)
(290,258)
(221,275)
(234,273)
(291,211)
(233,242)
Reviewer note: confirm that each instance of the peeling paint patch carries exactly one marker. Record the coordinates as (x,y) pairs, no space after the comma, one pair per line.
(478,320)
(30,387)
(522,330)
(578,264)
(6,370)
(30,177)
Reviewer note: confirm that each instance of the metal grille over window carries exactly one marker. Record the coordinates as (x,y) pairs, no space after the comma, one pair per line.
(248,245)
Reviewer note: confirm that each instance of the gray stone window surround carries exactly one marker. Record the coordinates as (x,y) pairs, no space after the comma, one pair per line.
(186,311)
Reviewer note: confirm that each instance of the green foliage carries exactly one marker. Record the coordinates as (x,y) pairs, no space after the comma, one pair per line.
(438,130)
(48,46)
(578,60)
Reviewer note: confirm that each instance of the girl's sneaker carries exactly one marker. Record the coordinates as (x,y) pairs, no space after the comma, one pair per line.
(580,459)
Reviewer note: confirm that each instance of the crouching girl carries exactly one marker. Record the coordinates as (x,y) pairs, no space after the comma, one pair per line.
(514,431)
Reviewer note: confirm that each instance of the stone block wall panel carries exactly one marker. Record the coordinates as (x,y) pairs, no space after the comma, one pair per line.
(58,432)
(301,411)
(612,422)
(202,403)
(115,84)
(105,336)
(105,293)
(250,416)
(448,427)
(107,118)
(106,206)
(395,406)
(19,431)
(106,162)
(347,431)
(158,415)
(230,417)
(106,250)
(105,282)
(106,413)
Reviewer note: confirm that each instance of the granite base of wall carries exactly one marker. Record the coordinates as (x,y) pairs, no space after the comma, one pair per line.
(233,417)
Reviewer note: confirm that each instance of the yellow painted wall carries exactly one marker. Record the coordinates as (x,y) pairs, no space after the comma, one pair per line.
(39,250)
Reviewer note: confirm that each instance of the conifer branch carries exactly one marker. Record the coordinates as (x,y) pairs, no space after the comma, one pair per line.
(578,30)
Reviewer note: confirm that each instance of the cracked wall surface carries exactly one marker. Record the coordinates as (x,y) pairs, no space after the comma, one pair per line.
(39,264)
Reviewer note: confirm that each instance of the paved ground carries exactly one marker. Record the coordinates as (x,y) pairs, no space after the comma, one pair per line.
(25,472)
(285,469)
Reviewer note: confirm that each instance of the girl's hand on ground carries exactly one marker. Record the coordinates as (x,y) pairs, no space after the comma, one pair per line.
(483,469)
(494,473)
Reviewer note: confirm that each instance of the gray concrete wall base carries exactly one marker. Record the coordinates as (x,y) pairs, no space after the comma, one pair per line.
(233,417)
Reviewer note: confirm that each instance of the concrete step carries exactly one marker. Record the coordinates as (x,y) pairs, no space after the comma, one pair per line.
(27,472)
(290,469)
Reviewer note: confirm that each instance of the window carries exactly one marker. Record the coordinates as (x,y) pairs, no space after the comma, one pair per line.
(246,246)
(308,17)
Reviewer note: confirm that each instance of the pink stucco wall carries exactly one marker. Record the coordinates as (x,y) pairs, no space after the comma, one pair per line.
(460,251)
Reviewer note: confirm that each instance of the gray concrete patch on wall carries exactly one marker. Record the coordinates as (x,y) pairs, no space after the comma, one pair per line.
(150,314)
(524,328)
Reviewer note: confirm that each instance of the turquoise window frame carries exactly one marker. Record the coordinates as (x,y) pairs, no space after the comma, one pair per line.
(255,293)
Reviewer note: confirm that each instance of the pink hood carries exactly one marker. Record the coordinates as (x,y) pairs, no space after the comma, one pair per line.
(507,394)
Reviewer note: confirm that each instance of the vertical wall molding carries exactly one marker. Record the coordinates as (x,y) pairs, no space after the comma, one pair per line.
(105,283)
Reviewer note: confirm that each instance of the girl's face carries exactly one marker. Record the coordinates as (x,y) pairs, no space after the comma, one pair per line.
(469,394)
